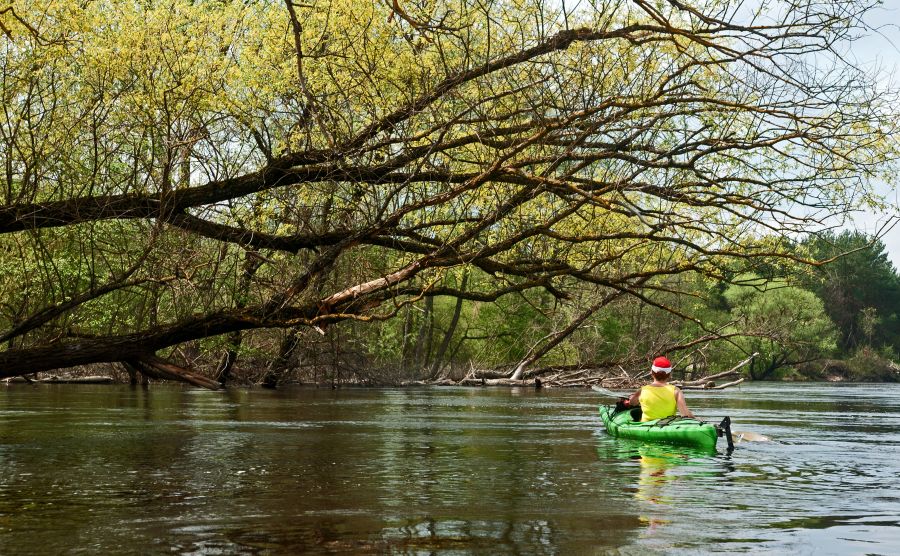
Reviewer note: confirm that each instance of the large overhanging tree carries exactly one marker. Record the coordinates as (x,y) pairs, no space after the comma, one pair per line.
(173,171)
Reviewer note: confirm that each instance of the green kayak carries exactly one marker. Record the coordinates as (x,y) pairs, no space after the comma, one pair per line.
(671,430)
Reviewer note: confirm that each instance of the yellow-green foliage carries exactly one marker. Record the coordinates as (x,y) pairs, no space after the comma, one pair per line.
(650,152)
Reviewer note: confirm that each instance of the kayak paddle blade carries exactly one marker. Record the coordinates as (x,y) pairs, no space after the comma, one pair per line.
(608,393)
(746,436)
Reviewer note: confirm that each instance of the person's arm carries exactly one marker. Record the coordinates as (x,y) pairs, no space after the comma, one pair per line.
(682,405)
(634,400)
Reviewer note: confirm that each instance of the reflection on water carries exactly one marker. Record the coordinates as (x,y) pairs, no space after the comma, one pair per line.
(655,461)
(661,469)
(652,482)
(114,469)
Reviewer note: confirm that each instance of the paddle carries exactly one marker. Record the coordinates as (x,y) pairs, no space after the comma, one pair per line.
(747,436)
(608,393)
(736,436)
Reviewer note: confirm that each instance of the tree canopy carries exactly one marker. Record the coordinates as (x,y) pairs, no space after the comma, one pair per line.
(860,289)
(181,170)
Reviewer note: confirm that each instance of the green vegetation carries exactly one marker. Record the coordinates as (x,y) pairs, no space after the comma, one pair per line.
(356,190)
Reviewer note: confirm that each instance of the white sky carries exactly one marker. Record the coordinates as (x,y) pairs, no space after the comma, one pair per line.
(881,50)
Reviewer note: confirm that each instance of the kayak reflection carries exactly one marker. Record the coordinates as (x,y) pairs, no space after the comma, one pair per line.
(655,462)
(660,467)
(652,482)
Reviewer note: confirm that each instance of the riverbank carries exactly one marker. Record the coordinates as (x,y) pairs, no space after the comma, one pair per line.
(833,372)
(864,367)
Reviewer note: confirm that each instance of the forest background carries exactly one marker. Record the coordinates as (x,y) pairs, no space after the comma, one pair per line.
(356,191)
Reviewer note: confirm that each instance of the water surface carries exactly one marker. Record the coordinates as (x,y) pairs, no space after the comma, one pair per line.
(167,469)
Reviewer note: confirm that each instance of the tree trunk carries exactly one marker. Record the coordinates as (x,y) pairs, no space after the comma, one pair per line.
(283,362)
(155,367)
(407,332)
(223,372)
(448,334)
(558,337)
(252,262)
(421,338)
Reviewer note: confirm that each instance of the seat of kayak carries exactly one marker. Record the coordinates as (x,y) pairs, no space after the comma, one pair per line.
(636,412)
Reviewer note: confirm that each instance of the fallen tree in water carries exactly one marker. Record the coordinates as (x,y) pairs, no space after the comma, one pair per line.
(63,380)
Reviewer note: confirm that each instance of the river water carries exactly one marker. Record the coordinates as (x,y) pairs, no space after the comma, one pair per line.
(173,470)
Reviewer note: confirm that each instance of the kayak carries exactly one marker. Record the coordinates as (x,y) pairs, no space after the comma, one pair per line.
(682,431)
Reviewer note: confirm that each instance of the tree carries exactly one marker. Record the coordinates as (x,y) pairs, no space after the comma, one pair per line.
(361,150)
(861,289)
(785,325)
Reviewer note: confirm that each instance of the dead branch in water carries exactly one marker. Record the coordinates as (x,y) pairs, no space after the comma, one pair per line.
(708,382)
(573,376)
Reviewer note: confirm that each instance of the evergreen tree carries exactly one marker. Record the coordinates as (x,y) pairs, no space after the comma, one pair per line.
(860,289)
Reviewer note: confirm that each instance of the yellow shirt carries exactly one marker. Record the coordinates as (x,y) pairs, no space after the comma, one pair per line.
(657,402)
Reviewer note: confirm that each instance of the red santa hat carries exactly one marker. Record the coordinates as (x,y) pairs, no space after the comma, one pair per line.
(662,365)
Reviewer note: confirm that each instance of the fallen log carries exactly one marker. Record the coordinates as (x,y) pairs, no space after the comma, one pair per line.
(155,367)
(438,382)
(488,374)
(495,382)
(713,386)
(707,382)
(62,380)
(724,386)
(78,380)
(704,380)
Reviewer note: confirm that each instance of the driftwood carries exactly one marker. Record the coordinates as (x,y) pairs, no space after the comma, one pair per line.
(497,382)
(63,380)
(708,382)
(155,367)
(713,386)
(575,376)
(488,373)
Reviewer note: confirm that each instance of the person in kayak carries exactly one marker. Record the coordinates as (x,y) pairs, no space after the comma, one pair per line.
(659,399)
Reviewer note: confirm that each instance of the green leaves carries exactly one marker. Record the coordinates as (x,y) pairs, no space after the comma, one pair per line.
(361,152)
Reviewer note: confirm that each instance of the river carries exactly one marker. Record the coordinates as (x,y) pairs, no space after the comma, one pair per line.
(173,470)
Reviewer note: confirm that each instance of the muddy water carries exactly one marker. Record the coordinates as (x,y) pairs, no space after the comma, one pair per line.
(115,469)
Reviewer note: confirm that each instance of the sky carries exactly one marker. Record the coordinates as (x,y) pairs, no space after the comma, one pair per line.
(881,50)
